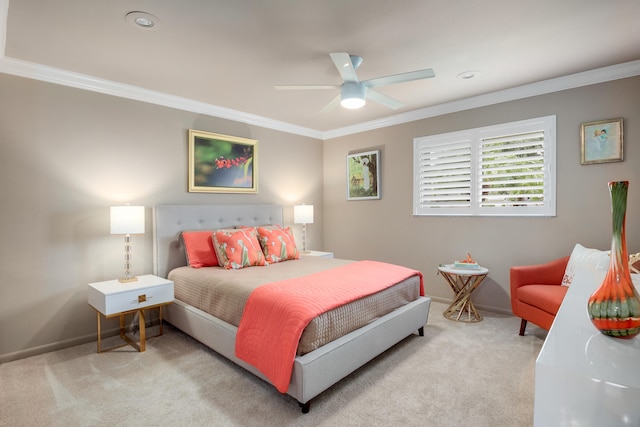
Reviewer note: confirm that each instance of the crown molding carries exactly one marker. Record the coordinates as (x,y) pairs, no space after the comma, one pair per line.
(82,81)
(586,78)
(86,82)
(94,84)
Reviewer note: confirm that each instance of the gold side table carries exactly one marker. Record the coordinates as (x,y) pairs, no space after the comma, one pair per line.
(463,282)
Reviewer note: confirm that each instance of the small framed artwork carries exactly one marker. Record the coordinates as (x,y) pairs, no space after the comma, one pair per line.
(222,164)
(363,175)
(601,142)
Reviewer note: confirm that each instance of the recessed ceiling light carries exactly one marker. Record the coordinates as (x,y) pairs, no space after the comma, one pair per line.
(466,75)
(143,20)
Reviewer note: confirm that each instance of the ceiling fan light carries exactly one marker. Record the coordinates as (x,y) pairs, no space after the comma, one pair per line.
(352,103)
(353,95)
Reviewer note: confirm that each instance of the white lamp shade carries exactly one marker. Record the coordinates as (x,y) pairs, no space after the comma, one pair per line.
(303,214)
(127,220)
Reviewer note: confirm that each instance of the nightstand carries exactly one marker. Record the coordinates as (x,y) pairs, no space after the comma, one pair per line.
(318,253)
(115,299)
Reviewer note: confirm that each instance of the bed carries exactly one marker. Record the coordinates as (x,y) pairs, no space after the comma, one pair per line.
(315,370)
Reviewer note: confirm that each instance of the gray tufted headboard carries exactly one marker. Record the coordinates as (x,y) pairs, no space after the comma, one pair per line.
(170,220)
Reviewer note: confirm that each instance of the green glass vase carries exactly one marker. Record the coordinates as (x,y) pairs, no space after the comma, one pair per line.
(614,307)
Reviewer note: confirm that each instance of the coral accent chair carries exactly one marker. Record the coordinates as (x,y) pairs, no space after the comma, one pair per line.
(537,292)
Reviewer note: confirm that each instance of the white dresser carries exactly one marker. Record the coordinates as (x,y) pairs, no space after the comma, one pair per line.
(584,378)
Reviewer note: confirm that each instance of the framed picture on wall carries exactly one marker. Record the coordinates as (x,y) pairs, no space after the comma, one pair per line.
(222,164)
(363,175)
(601,142)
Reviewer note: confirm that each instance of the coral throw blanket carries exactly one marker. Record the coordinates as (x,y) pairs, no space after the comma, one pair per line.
(276,313)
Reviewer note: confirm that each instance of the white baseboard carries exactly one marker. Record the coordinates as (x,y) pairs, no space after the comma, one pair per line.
(54,346)
(492,309)
(60,345)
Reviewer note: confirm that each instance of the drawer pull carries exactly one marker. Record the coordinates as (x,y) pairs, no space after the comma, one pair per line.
(142,298)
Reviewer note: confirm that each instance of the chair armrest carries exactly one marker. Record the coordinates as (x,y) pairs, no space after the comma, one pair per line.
(550,273)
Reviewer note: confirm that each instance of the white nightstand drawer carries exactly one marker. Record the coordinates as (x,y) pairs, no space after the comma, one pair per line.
(112,297)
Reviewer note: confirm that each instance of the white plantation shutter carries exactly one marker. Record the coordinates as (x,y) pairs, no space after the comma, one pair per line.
(444,173)
(497,170)
(512,171)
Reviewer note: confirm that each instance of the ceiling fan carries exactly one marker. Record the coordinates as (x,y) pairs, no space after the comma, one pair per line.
(353,92)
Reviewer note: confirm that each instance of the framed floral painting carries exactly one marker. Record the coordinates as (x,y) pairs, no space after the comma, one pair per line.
(222,163)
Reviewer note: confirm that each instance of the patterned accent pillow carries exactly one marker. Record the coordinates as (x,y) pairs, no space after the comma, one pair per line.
(277,244)
(584,258)
(237,249)
(199,249)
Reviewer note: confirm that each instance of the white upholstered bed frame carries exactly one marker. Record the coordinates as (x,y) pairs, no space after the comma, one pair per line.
(313,372)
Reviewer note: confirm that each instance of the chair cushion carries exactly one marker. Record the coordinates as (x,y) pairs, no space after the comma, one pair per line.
(544,297)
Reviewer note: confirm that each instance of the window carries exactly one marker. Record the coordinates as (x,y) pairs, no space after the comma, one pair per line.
(506,169)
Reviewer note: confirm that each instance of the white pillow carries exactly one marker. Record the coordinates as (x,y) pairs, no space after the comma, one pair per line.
(584,258)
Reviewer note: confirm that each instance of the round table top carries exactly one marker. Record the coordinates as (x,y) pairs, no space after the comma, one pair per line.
(448,268)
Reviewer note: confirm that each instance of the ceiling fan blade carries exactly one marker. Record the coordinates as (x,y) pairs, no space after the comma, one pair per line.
(385,100)
(331,105)
(343,63)
(300,87)
(400,78)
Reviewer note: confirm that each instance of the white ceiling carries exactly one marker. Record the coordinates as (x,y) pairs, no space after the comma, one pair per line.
(226,56)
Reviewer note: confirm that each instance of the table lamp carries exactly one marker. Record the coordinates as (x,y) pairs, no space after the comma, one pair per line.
(303,214)
(127,220)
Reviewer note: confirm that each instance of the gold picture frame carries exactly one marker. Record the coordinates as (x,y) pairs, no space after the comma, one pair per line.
(222,163)
(601,142)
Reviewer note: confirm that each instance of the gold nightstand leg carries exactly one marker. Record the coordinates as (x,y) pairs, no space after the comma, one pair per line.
(99,332)
(122,333)
(142,323)
(141,346)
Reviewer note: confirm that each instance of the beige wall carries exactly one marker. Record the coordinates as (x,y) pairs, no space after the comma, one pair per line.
(66,155)
(386,230)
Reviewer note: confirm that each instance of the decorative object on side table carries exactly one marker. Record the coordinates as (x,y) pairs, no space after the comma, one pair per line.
(127,220)
(614,307)
(467,263)
(303,214)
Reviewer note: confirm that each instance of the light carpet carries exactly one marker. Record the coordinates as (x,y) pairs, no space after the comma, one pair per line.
(479,374)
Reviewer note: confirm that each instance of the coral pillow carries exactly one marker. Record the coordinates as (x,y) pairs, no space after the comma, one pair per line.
(584,258)
(199,248)
(238,248)
(277,244)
